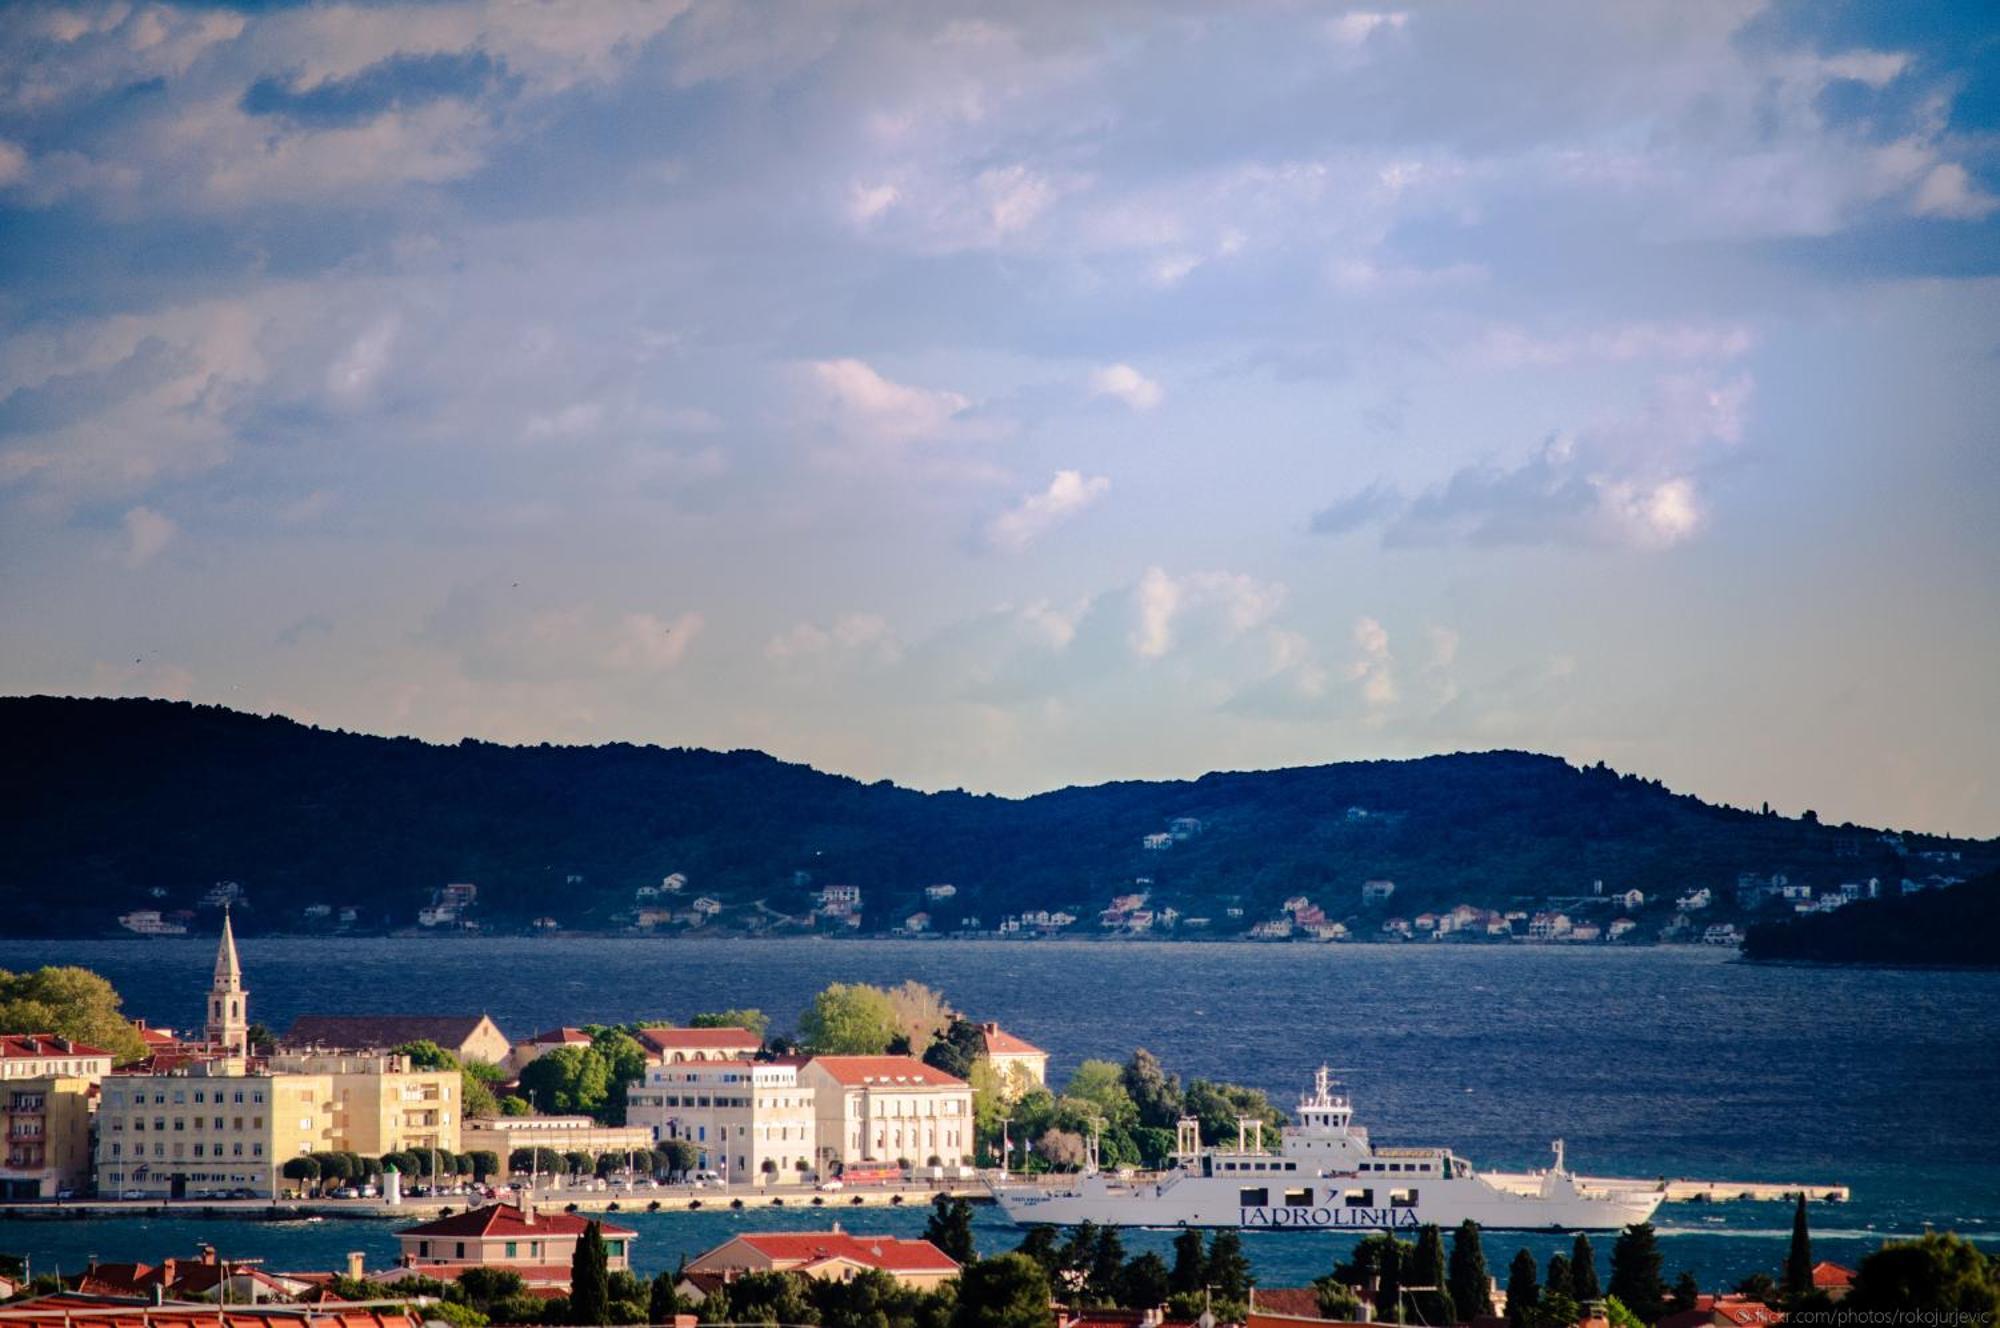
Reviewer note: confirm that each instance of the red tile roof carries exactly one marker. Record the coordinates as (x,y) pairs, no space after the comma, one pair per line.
(891,1071)
(502,1220)
(70,1310)
(889,1253)
(354,1032)
(41,1046)
(700,1039)
(1828,1274)
(561,1037)
(999,1042)
(1292,1302)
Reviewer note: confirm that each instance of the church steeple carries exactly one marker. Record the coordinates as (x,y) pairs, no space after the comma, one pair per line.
(228,1002)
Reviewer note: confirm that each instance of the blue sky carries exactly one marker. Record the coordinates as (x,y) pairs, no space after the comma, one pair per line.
(1013,396)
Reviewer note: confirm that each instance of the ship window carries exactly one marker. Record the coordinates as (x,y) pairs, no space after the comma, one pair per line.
(1253,1196)
(1361,1198)
(1402,1198)
(1291,1166)
(1298,1198)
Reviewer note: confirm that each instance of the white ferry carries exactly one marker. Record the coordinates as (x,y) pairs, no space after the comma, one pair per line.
(1324,1176)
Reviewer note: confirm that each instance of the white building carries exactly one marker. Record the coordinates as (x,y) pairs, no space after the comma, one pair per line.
(935,893)
(1156,842)
(889,1111)
(1377,892)
(754,1122)
(1694,900)
(46,1056)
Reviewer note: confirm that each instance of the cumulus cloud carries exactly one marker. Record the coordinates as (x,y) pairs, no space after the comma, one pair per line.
(648,643)
(1164,605)
(1355,27)
(147,533)
(864,405)
(1373,668)
(1949,191)
(865,637)
(1068,494)
(1124,383)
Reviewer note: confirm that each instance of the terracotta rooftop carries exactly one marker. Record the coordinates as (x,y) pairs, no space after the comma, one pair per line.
(71,1310)
(700,1039)
(888,1071)
(999,1042)
(1292,1302)
(1825,1273)
(354,1032)
(502,1220)
(889,1253)
(39,1046)
(561,1037)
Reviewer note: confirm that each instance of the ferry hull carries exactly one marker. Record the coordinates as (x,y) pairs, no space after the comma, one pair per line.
(1183,1205)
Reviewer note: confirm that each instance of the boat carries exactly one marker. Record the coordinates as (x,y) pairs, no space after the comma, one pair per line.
(1327,1176)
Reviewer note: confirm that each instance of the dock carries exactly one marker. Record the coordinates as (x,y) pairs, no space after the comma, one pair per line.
(1683,1190)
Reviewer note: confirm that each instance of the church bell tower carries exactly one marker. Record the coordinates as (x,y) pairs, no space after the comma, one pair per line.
(228,1002)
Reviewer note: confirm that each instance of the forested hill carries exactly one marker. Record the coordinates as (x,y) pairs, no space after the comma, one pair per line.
(1953,928)
(114,805)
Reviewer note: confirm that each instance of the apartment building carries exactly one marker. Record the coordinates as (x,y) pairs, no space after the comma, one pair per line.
(751,1121)
(45,1136)
(884,1111)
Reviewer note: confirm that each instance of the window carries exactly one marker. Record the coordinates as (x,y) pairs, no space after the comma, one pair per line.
(1253,1196)
(1402,1198)
(512,1251)
(1360,1198)
(1298,1198)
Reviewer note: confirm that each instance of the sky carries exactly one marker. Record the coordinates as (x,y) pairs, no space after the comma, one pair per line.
(1003,397)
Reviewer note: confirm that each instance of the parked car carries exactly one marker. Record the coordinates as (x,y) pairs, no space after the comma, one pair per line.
(133,1194)
(347,1192)
(831,1183)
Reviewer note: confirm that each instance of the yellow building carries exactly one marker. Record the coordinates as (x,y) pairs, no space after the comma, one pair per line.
(888,1111)
(213,1128)
(45,1131)
(502,1135)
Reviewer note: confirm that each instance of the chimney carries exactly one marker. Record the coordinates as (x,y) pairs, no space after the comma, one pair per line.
(208,1255)
(168,1270)
(527,1209)
(356,1265)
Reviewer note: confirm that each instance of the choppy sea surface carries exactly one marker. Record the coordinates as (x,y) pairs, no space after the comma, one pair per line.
(1678,1062)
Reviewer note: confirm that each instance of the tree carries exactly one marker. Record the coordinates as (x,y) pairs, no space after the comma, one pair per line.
(755,1020)
(1040,1245)
(486,1287)
(427,1055)
(1389,1284)
(1635,1272)
(1102,1085)
(662,1302)
(1218,1105)
(1559,1277)
(1523,1293)
(1583,1270)
(261,1039)
(1061,1149)
(625,1064)
(301,1168)
(1190,1270)
(1103,1267)
(962,1046)
(1799,1260)
(1143,1283)
(1686,1291)
(568,1080)
(921,1015)
(485,1163)
(1939,1271)
(1426,1269)
(69,1002)
(682,1156)
(513,1105)
(768,1298)
(1556,1309)
(1155,1093)
(848,1019)
(950,1228)
(589,1279)
(1010,1291)
(1227,1270)
(1620,1317)
(1467,1278)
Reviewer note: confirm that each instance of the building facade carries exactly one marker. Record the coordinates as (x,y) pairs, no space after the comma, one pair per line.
(45,1136)
(42,1055)
(752,1122)
(671,1046)
(888,1111)
(537,1245)
(502,1135)
(835,1254)
(1019,1065)
(214,1127)
(228,1000)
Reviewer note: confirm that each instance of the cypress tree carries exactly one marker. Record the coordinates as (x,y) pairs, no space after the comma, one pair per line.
(1227,1269)
(1799,1261)
(662,1302)
(1389,1292)
(1470,1286)
(1522,1291)
(1635,1272)
(1559,1275)
(1189,1264)
(1583,1270)
(590,1279)
(1427,1270)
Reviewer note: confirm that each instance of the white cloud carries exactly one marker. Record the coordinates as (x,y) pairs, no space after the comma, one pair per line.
(1373,668)
(869,407)
(1948,191)
(1126,384)
(866,637)
(1068,493)
(352,377)
(1232,603)
(647,643)
(1355,27)
(146,533)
